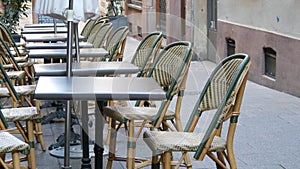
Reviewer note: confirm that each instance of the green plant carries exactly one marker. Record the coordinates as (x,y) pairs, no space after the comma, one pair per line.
(14,10)
(115,8)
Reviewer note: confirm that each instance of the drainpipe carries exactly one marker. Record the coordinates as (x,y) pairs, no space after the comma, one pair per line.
(192,21)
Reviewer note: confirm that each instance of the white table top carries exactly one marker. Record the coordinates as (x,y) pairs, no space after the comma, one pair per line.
(48,37)
(42,25)
(86,69)
(62,53)
(59,45)
(98,88)
(44,30)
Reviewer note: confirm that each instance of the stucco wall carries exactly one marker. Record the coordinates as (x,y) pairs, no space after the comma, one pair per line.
(273,15)
(251,40)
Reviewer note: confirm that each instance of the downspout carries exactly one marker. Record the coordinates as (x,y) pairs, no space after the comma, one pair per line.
(192,21)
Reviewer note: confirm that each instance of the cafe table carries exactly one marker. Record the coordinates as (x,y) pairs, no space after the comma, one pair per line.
(48,37)
(86,69)
(43,25)
(100,89)
(62,53)
(44,30)
(58,45)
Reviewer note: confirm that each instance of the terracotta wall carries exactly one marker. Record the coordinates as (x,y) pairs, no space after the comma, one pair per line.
(251,41)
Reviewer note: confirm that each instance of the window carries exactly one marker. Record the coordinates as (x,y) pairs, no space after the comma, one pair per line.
(270,62)
(139,31)
(230,43)
(136,2)
(130,26)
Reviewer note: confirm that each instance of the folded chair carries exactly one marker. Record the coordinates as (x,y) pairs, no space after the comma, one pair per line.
(222,96)
(17,94)
(9,63)
(11,144)
(169,69)
(18,50)
(18,115)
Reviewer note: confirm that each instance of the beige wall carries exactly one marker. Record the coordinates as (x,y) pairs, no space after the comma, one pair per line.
(251,41)
(273,15)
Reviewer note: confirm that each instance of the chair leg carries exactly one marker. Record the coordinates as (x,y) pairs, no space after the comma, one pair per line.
(155,161)
(166,161)
(16,160)
(221,158)
(111,103)
(131,146)
(38,127)
(32,160)
(112,144)
(39,134)
(3,165)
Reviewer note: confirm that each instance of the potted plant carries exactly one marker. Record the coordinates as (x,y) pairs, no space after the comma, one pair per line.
(115,14)
(13,11)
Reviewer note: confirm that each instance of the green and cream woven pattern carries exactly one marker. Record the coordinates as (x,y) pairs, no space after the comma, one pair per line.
(115,41)
(21,90)
(146,51)
(20,114)
(102,35)
(120,113)
(179,141)
(9,143)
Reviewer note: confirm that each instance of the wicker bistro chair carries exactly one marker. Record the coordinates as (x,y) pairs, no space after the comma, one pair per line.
(9,63)
(146,52)
(86,30)
(143,57)
(222,96)
(94,31)
(17,94)
(11,144)
(116,44)
(102,35)
(169,69)
(17,115)
(18,50)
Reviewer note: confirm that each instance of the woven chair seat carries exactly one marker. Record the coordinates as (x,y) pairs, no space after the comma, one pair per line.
(23,52)
(21,90)
(21,59)
(9,143)
(20,114)
(16,74)
(161,141)
(22,65)
(122,114)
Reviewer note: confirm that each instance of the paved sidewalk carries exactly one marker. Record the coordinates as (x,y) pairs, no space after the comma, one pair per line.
(267,135)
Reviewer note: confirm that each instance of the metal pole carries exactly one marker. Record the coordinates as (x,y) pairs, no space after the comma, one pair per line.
(69,74)
(77,42)
(54,26)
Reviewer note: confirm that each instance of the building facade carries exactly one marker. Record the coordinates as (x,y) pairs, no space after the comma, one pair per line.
(269,32)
